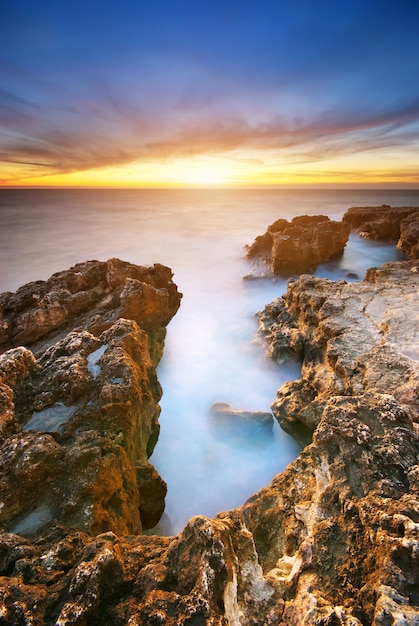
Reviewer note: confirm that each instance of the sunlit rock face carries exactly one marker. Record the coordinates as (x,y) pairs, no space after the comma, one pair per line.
(79,421)
(337,550)
(333,540)
(295,247)
(386,223)
(90,296)
(351,338)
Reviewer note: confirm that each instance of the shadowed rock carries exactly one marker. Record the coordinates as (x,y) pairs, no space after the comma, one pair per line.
(238,423)
(409,235)
(386,223)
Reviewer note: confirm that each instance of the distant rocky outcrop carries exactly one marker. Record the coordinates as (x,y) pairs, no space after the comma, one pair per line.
(386,223)
(296,247)
(79,420)
(331,541)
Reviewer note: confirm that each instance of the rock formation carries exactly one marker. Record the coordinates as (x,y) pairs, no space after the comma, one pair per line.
(237,424)
(357,337)
(388,224)
(409,235)
(79,420)
(333,540)
(297,247)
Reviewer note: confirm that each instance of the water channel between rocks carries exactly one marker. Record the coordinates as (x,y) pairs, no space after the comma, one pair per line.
(212,352)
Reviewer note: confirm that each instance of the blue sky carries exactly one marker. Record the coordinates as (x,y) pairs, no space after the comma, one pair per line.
(328,88)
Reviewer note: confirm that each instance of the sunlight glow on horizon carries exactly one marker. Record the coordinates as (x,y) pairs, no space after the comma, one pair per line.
(143,98)
(225,172)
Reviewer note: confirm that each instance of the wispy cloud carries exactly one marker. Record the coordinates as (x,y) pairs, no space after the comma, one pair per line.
(294,82)
(112,132)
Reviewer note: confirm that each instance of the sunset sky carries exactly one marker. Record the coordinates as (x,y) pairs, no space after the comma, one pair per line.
(209,92)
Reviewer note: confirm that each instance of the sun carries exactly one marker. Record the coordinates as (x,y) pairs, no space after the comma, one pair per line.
(199,173)
(209,179)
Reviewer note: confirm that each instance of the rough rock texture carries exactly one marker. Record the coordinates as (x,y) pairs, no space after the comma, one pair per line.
(89,296)
(289,248)
(333,540)
(352,338)
(389,224)
(409,235)
(79,421)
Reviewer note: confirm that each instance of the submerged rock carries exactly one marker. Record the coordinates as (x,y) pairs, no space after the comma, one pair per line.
(238,424)
(295,247)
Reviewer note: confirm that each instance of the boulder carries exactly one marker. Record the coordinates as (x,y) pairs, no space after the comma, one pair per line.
(384,223)
(296,247)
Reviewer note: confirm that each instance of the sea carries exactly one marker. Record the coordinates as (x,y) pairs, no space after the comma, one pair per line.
(213,352)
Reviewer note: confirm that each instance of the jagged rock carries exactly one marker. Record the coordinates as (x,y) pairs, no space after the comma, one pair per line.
(90,296)
(298,247)
(336,533)
(79,422)
(298,409)
(332,541)
(409,235)
(385,223)
(352,338)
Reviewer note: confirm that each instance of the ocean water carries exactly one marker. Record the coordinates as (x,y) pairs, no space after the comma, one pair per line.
(212,350)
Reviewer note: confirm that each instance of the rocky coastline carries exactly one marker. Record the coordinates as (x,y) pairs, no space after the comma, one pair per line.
(333,540)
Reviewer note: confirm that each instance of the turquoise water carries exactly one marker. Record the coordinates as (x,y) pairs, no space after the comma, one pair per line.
(212,350)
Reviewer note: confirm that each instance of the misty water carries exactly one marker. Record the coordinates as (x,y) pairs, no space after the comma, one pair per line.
(212,350)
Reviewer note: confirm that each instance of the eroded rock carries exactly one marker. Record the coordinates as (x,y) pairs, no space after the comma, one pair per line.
(409,235)
(79,422)
(333,540)
(90,296)
(352,338)
(295,247)
(398,224)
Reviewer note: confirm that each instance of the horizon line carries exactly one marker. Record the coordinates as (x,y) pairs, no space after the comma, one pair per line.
(364,185)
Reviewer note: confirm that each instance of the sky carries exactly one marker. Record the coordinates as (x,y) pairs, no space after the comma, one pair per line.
(168,93)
